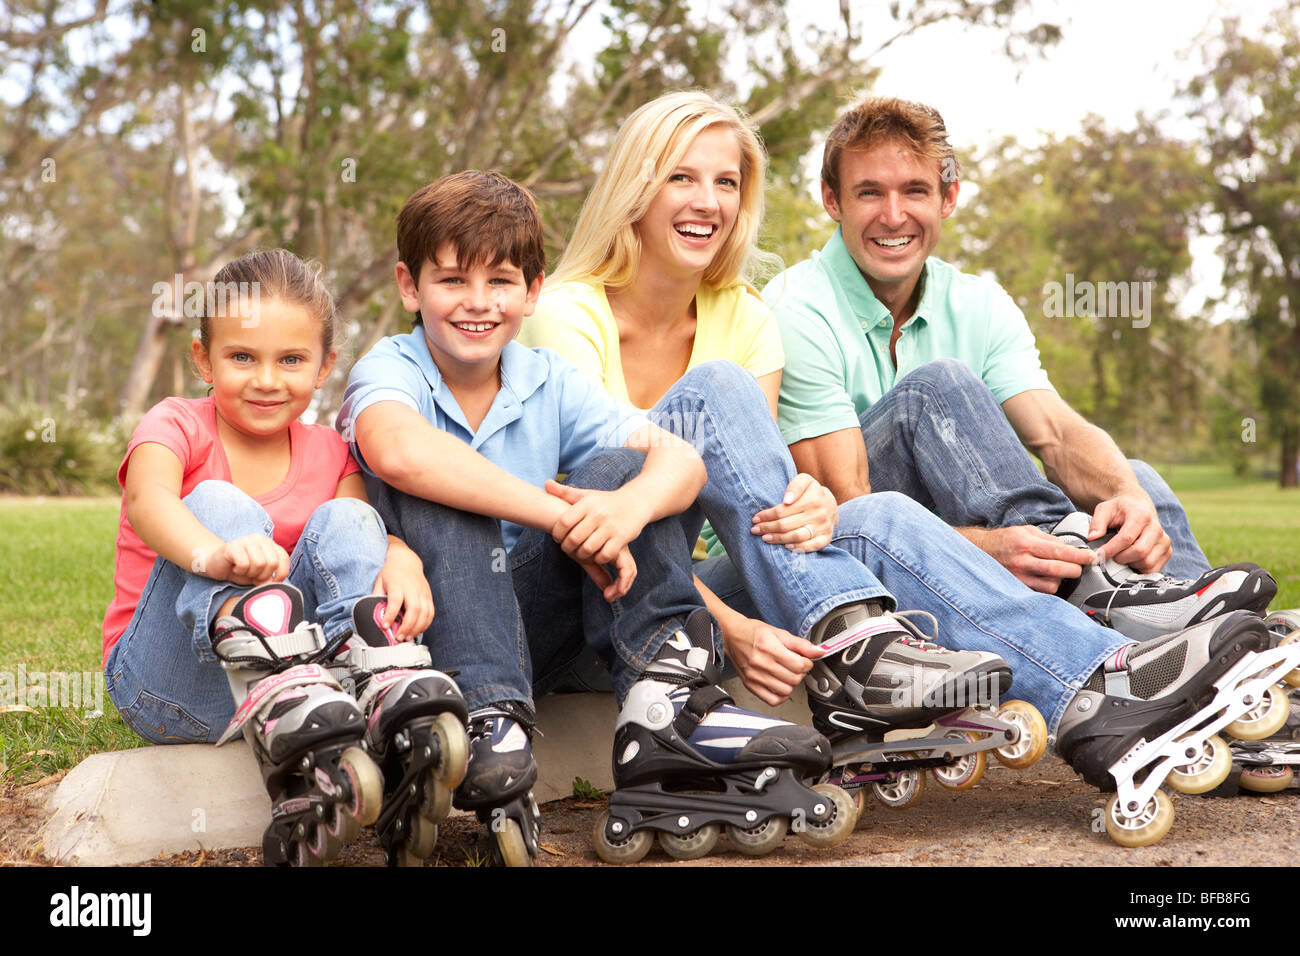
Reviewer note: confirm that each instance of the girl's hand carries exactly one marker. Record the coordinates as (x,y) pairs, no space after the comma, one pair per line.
(251,560)
(771,662)
(402,581)
(804,521)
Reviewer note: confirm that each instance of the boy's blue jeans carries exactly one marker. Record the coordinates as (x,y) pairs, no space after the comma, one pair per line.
(885,544)
(515,624)
(162,674)
(940,437)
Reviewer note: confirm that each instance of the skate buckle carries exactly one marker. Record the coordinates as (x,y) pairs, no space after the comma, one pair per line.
(765,776)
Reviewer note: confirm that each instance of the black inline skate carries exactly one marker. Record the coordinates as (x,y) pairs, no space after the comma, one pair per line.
(1151,715)
(498,784)
(305,730)
(1268,766)
(687,761)
(880,675)
(415,729)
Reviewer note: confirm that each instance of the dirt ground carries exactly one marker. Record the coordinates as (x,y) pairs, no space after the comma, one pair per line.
(1042,816)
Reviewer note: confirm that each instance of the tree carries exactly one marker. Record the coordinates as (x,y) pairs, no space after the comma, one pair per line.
(1246,105)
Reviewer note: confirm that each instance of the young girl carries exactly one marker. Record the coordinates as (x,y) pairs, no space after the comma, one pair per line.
(238,521)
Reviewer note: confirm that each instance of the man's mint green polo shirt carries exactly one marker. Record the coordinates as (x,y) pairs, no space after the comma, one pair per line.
(836,336)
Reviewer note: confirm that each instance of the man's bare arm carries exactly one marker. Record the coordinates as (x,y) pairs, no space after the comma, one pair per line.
(838,460)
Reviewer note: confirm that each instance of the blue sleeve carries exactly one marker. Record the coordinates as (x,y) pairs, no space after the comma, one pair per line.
(380,377)
(590,419)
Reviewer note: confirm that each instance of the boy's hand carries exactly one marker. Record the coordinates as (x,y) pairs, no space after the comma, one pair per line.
(250,560)
(771,662)
(595,531)
(402,581)
(805,519)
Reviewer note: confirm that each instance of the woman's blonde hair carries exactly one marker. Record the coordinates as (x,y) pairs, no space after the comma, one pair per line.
(649,146)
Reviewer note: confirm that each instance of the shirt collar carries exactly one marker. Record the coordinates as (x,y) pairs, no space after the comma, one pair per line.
(522,370)
(868,309)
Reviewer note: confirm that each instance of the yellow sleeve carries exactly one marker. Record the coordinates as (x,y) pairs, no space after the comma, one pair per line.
(569,320)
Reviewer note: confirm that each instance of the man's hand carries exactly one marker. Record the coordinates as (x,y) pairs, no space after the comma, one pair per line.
(595,532)
(1140,542)
(1036,558)
(771,662)
(804,520)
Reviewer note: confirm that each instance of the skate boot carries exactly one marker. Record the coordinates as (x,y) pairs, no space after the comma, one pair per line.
(687,761)
(880,675)
(1143,606)
(415,730)
(498,784)
(305,730)
(1151,714)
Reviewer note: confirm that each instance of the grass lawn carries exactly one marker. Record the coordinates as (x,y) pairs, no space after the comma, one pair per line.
(56,576)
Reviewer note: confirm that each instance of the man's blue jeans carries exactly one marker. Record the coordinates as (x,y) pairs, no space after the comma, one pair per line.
(162,674)
(940,437)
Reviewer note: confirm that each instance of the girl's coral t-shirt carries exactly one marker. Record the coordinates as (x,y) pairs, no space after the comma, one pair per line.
(318,461)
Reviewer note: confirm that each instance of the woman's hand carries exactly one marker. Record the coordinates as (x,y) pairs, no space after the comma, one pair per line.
(402,581)
(804,521)
(771,662)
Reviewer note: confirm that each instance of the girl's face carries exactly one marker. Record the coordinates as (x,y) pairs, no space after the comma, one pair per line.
(693,213)
(264,362)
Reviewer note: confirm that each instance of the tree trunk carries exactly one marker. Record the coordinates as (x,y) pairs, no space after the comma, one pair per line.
(1290,445)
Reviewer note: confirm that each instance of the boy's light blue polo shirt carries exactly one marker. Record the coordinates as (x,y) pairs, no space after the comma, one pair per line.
(547,418)
(836,336)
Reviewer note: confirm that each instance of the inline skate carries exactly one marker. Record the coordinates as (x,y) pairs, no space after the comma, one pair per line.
(1266,766)
(1151,715)
(498,784)
(688,761)
(1145,606)
(415,730)
(880,675)
(305,731)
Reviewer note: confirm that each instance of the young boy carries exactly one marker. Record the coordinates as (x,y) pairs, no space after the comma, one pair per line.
(461,432)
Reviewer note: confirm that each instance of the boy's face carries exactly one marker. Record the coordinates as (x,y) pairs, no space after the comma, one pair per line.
(890,210)
(469,314)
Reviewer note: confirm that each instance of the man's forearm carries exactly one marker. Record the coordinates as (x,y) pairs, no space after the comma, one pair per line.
(1088,466)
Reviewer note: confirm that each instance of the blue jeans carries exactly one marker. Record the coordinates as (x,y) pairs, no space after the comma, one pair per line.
(162,674)
(940,437)
(514,625)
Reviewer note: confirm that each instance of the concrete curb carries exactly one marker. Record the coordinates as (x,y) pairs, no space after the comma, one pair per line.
(129,806)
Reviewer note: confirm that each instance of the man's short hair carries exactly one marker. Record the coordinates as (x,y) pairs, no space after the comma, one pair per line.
(486,217)
(879,119)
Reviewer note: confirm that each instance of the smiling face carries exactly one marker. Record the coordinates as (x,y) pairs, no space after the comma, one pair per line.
(470,314)
(691,216)
(890,210)
(264,361)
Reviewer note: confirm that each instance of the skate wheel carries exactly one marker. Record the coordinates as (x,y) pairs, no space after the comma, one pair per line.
(902,792)
(323,844)
(511,847)
(630,850)
(422,837)
(834,829)
(1209,769)
(859,798)
(760,840)
(435,803)
(455,750)
(342,825)
(965,771)
(1291,677)
(1264,719)
(1032,742)
(367,785)
(402,856)
(303,855)
(1147,828)
(692,846)
(1266,779)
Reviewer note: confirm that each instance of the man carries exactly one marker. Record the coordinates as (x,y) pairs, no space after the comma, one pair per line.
(874,309)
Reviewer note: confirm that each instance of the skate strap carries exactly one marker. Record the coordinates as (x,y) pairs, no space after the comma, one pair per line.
(701,702)
(1115,672)
(870,627)
(369,658)
(266,691)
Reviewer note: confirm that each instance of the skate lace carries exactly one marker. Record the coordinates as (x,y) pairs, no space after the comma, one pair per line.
(1138,583)
(918,638)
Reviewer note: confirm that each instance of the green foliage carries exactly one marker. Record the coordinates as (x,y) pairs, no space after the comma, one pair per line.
(583,790)
(43,453)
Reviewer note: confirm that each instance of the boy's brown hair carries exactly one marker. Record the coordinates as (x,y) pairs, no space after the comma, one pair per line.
(881,119)
(486,217)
